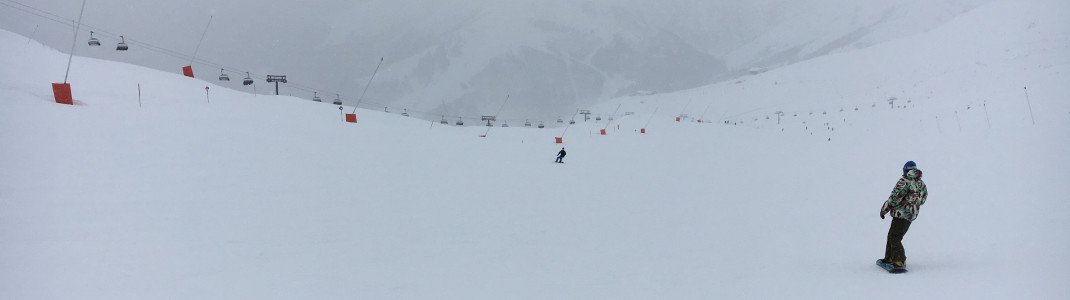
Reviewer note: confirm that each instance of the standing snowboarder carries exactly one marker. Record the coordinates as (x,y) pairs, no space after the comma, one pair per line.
(560,156)
(906,199)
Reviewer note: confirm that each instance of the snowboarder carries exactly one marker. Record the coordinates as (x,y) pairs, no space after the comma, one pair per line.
(906,199)
(560,156)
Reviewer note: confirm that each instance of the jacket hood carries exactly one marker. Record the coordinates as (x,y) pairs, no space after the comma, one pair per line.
(914,174)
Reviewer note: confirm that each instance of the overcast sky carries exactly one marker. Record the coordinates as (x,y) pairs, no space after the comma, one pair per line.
(553,56)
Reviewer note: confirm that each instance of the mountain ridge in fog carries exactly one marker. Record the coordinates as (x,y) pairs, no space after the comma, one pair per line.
(551,56)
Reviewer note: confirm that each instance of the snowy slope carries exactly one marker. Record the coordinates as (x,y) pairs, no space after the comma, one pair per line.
(274,197)
(552,56)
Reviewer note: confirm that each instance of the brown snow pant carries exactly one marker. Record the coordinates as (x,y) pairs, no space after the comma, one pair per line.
(893,250)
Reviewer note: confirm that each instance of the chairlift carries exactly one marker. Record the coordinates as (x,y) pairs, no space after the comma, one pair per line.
(560,121)
(598,118)
(316,97)
(505,124)
(460,122)
(540,125)
(337,99)
(405,113)
(571,122)
(611,118)
(92,40)
(122,44)
(444,122)
(248,80)
(527,123)
(223,76)
(386,109)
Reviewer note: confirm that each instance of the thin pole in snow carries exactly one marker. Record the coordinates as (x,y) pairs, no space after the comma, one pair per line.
(496,115)
(198,49)
(703,116)
(74,42)
(361,99)
(985,105)
(570,123)
(1029,104)
(341,113)
(206,95)
(651,116)
(941,130)
(682,111)
(614,114)
(139,95)
(957,123)
(33,34)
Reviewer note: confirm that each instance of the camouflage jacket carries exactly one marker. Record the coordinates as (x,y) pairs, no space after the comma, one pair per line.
(907,197)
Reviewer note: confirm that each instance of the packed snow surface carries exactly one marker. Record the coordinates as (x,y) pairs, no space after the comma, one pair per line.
(220,194)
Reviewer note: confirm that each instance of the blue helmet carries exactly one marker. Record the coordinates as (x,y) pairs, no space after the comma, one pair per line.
(910,165)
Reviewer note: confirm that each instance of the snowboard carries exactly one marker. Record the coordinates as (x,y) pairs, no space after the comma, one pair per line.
(890,268)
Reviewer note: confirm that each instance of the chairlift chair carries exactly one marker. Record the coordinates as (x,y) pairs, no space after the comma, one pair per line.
(337,99)
(122,44)
(527,123)
(223,76)
(560,121)
(598,118)
(541,125)
(92,40)
(571,122)
(611,118)
(248,80)
(444,121)
(405,113)
(316,97)
(505,124)
(460,122)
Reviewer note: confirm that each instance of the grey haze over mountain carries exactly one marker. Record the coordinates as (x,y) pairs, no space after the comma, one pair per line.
(551,56)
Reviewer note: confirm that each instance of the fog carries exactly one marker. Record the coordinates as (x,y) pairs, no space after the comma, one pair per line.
(550,56)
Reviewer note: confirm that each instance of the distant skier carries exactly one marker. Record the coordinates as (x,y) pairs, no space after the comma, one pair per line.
(907,198)
(560,156)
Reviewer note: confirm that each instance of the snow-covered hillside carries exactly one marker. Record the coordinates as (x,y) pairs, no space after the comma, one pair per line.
(463,56)
(266,197)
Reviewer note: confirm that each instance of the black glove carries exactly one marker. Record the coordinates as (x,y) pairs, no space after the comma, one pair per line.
(882,214)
